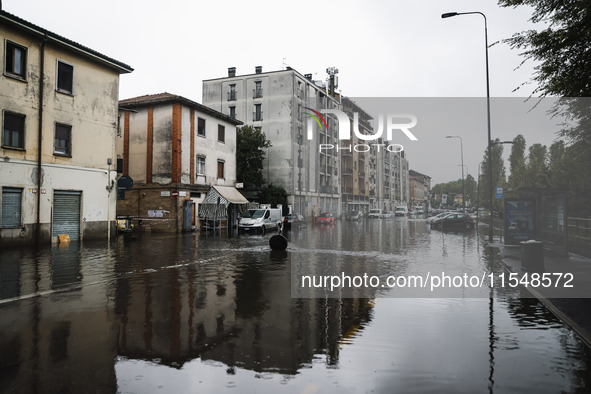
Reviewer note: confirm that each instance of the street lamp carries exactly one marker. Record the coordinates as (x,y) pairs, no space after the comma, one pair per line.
(490,185)
(462,153)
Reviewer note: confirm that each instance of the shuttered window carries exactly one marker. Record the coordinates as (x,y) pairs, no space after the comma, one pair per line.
(11,207)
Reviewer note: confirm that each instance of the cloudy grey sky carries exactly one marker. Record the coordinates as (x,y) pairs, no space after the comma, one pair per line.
(381,48)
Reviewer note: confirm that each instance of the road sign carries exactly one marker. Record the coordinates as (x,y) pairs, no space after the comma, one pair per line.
(500,191)
(174,194)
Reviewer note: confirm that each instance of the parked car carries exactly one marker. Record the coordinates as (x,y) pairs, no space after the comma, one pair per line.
(387,215)
(260,220)
(325,218)
(454,221)
(294,221)
(401,210)
(353,215)
(438,216)
(374,214)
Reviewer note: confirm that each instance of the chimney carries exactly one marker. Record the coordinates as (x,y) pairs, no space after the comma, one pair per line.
(231,71)
(308,76)
(258,69)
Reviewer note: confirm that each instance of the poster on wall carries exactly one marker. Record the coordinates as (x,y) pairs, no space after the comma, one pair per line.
(520,220)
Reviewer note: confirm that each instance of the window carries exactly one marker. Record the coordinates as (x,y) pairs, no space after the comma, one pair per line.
(201,127)
(258,89)
(258,112)
(221,133)
(233,112)
(220,169)
(232,93)
(200,165)
(65,77)
(11,207)
(62,145)
(13,131)
(16,60)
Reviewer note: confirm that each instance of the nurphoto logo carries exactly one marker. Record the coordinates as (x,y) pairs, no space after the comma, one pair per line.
(392,121)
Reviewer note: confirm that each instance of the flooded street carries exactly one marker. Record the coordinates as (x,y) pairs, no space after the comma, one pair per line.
(196,313)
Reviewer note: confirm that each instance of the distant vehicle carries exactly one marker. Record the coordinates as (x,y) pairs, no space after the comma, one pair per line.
(260,220)
(387,215)
(420,211)
(374,214)
(401,210)
(353,215)
(325,218)
(454,221)
(513,226)
(438,216)
(294,221)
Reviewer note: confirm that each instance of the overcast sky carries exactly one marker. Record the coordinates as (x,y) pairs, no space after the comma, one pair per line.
(381,48)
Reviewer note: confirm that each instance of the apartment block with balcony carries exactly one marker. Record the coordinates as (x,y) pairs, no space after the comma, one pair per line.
(174,150)
(58,103)
(278,103)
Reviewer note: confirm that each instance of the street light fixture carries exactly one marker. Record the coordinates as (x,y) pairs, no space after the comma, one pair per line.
(490,185)
(462,156)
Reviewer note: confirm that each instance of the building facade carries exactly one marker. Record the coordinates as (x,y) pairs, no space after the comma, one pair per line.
(58,102)
(174,150)
(279,103)
(420,189)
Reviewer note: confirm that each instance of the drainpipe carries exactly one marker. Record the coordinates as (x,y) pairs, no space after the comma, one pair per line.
(39,140)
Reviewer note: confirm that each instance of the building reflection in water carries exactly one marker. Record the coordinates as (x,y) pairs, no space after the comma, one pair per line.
(57,333)
(241,315)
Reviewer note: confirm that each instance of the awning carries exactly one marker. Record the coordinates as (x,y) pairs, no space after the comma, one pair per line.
(231,194)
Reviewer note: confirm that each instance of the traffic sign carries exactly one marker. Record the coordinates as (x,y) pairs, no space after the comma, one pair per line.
(174,194)
(500,191)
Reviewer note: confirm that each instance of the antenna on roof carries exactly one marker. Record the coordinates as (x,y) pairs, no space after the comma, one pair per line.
(284,59)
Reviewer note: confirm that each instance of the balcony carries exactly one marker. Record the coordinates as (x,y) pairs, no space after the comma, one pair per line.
(348,190)
(347,171)
(257,93)
(326,189)
(257,116)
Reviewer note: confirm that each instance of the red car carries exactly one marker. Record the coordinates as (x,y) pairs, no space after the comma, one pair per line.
(325,218)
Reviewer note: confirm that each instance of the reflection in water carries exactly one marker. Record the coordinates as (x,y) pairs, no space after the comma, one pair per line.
(190,314)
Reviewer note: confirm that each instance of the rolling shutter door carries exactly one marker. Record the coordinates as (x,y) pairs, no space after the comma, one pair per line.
(66,214)
(11,207)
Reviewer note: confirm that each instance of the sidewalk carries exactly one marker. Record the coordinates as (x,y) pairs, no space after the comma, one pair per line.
(575,312)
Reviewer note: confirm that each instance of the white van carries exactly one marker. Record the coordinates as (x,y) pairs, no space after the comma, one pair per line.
(374,213)
(401,210)
(260,220)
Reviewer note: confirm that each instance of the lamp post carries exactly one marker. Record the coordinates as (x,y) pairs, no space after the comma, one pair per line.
(462,153)
(490,185)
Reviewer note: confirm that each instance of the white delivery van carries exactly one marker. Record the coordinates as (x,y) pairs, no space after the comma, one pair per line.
(260,220)
(401,210)
(374,213)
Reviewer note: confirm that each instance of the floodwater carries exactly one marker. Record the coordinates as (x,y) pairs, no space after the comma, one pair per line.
(197,313)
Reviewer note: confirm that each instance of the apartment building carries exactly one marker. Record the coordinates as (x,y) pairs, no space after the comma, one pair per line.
(420,188)
(58,102)
(280,103)
(174,150)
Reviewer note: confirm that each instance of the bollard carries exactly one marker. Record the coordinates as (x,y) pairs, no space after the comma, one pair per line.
(278,242)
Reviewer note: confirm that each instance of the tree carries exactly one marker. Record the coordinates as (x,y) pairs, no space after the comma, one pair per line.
(498,174)
(517,162)
(562,49)
(563,55)
(536,172)
(471,188)
(250,155)
(558,171)
(273,195)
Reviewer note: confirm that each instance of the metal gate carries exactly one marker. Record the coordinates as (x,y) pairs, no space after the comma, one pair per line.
(66,214)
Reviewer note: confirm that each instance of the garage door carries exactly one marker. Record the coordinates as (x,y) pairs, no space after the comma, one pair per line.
(66,214)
